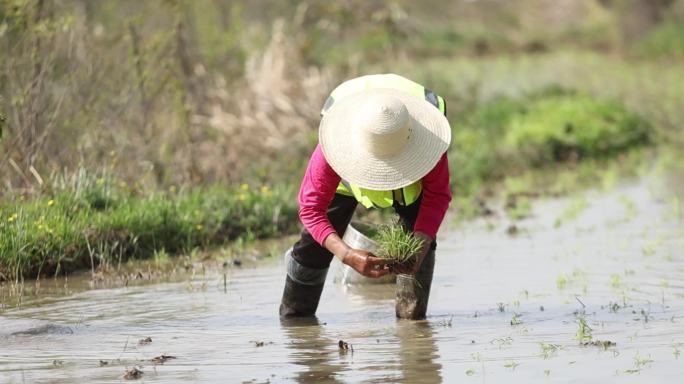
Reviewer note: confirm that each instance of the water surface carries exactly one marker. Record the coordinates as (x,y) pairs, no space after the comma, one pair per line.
(615,258)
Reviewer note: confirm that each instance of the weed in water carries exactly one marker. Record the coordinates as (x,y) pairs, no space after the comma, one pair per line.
(470,372)
(516,319)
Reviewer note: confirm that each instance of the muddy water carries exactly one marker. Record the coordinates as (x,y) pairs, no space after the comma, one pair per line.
(615,258)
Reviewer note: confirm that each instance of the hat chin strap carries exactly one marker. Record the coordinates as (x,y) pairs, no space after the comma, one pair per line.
(383,126)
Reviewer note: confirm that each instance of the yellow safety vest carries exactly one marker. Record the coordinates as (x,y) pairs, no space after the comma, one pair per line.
(383,199)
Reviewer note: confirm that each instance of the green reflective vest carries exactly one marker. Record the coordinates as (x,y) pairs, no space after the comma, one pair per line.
(383,199)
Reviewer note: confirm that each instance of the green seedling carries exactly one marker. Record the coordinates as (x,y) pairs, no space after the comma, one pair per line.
(648,249)
(583,334)
(615,281)
(470,372)
(549,350)
(396,245)
(562,282)
(516,319)
(572,211)
(640,361)
(511,364)
(630,207)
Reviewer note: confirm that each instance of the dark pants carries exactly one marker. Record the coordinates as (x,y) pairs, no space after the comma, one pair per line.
(309,253)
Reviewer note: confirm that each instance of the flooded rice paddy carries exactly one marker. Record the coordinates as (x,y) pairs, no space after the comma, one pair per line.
(589,288)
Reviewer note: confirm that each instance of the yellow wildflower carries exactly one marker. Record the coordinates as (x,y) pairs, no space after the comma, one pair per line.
(242,197)
(199,227)
(244,186)
(51,203)
(12,217)
(265,190)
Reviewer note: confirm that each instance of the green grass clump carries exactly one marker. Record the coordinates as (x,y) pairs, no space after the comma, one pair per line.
(108,222)
(508,135)
(666,39)
(396,245)
(560,127)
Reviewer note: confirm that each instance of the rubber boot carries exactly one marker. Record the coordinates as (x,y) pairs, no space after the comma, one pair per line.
(412,293)
(303,288)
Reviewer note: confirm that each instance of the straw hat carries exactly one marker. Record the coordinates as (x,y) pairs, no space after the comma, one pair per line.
(383,139)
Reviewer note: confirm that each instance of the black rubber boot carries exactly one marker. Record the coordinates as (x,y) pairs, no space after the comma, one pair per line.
(299,300)
(303,288)
(413,293)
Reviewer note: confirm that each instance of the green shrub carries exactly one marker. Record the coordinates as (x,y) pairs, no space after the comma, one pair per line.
(510,134)
(566,126)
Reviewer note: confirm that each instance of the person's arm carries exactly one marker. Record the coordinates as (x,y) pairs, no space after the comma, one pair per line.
(433,206)
(315,194)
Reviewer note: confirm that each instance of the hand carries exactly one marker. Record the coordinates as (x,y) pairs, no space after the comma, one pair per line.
(365,263)
(411,268)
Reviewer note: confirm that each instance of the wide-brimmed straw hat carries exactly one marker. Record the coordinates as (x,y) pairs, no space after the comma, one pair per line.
(383,139)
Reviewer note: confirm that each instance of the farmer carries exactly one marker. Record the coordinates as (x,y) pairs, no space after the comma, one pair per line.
(382,143)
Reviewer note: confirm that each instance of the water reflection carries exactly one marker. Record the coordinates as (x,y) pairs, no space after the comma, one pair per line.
(311,349)
(418,353)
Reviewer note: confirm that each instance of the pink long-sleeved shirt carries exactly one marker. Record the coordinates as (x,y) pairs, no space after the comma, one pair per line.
(320,182)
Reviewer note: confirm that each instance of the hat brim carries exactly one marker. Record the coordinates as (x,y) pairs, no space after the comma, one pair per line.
(430,138)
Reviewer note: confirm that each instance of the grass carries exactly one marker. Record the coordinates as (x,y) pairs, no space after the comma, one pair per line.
(507,134)
(92,222)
